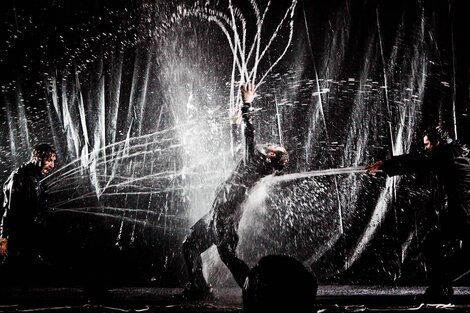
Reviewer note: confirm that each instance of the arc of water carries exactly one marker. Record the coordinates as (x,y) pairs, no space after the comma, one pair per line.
(257,41)
(238,43)
(127,141)
(291,10)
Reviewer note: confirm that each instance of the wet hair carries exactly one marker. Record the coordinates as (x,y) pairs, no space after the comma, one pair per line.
(42,151)
(280,159)
(437,133)
(281,156)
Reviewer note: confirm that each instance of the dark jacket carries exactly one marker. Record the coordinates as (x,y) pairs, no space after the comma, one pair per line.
(450,165)
(24,205)
(226,209)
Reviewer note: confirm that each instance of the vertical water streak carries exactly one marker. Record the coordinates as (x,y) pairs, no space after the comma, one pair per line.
(99,141)
(319,111)
(12,132)
(406,127)
(73,141)
(131,114)
(102,114)
(142,97)
(51,86)
(454,88)
(82,115)
(142,104)
(47,91)
(384,65)
(125,152)
(114,95)
(278,118)
(23,119)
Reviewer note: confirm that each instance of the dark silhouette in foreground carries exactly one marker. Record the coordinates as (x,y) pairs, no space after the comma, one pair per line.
(279,283)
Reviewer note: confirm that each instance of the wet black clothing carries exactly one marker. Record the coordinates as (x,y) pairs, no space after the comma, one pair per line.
(219,226)
(23,211)
(449,163)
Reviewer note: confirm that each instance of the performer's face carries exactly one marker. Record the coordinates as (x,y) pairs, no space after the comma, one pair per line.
(429,145)
(48,164)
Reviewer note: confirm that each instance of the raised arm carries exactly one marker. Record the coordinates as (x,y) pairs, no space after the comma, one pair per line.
(248,95)
(235,115)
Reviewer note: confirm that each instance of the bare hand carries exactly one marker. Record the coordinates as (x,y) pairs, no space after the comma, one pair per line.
(3,247)
(248,92)
(374,167)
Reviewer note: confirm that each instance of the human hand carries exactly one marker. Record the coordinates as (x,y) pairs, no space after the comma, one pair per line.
(374,167)
(3,247)
(248,92)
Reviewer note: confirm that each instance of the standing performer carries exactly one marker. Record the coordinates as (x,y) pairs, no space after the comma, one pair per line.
(24,205)
(449,162)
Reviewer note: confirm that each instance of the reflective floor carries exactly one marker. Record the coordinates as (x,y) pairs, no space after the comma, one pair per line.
(134,299)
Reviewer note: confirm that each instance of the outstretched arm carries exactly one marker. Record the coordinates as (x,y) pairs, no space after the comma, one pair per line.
(401,165)
(248,95)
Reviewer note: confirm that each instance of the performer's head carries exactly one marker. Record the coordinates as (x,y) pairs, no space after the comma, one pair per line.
(434,137)
(44,156)
(275,156)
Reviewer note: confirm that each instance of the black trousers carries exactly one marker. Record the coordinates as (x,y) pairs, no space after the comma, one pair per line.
(446,254)
(203,235)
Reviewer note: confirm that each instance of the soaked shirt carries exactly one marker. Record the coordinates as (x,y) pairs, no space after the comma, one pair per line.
(226,210)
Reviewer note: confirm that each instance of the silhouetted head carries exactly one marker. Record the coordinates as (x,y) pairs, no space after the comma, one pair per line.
(279,283)
(434,137)
(44,156)
(275,156)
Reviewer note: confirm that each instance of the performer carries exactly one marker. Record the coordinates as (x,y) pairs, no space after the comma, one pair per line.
(449,162)
(219,226)
(24,205)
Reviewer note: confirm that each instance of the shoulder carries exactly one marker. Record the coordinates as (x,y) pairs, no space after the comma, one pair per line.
(27,172)
(455,149)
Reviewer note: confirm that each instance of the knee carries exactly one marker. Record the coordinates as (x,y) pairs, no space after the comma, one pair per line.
(226,253)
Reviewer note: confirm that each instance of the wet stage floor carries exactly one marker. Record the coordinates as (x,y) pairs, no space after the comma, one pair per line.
(136,299)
